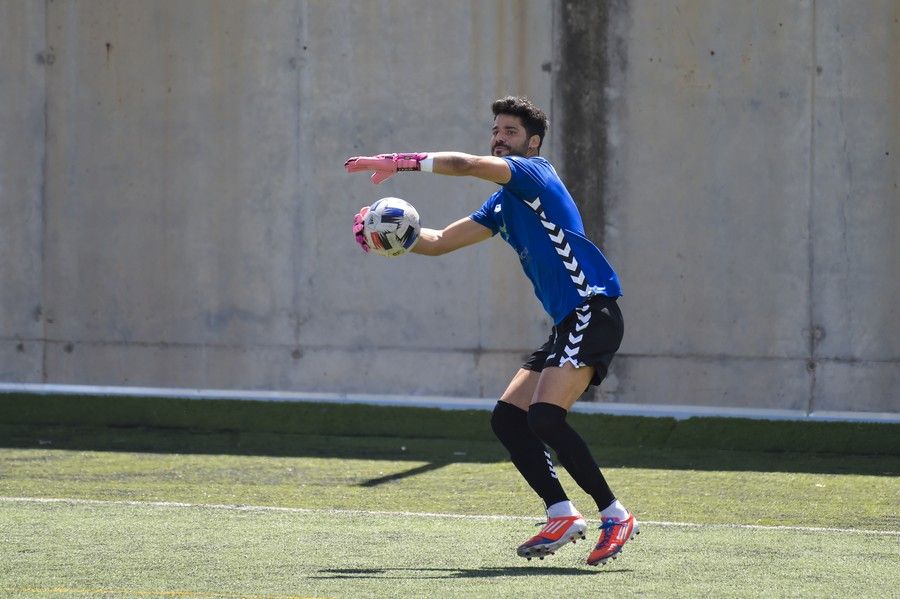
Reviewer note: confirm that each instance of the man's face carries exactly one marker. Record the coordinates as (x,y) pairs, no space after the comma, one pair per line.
(509,138)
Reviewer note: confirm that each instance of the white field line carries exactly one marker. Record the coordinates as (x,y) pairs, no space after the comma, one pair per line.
(342,512)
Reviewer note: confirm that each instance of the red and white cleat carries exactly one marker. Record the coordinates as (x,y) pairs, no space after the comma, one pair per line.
(614,533)
(555,533)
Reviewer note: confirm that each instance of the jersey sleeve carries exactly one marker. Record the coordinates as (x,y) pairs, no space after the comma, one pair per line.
(487,216)
(529,176)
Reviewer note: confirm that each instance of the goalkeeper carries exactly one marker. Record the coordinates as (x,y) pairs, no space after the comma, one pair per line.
(535,214)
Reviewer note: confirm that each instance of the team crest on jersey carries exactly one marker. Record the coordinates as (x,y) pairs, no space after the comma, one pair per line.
(498,212)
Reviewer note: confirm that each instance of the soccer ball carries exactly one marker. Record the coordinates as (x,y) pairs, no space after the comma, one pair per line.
(391,227)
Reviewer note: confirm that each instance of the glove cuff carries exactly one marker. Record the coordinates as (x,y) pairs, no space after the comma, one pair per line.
(410,162)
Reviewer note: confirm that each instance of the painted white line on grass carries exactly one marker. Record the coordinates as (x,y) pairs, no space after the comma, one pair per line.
(345,512)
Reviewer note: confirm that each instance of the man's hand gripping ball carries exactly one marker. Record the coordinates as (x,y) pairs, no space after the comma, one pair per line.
(358,226)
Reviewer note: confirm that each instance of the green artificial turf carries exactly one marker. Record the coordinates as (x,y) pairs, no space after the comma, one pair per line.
(127,497)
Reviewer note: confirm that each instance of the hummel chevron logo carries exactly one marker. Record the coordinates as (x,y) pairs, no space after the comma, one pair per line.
(550,465)
(586,317)
(580,327)
(535,204)
(570,352)
(558,238)
(574,363)
(573,339)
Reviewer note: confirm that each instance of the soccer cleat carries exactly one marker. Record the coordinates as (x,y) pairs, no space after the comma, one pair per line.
(555,533)
(614,533)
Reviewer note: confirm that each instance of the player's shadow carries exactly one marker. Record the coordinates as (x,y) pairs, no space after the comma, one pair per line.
(451,573)
(374,482)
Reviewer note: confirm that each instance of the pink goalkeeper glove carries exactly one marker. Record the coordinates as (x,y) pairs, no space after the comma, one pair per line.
(358,228)
(385,165)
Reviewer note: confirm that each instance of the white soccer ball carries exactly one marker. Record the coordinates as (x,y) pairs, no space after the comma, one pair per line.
(391,227)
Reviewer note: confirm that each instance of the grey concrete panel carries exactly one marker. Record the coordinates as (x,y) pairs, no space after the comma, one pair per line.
(21,360)
(228,224)
(363,370)
(856,220)
(24,59)
(707,381)
(407,96)
(753,203)
(865,386)
(709,184)
(172,171)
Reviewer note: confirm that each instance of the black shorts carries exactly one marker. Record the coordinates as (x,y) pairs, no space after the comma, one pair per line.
(589,336)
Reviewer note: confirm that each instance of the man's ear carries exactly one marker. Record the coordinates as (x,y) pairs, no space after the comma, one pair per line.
(534,143)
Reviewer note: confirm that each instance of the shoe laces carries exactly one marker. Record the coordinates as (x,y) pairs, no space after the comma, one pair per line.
(609,523)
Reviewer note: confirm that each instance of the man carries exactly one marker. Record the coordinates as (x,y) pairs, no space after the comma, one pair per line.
(535,214)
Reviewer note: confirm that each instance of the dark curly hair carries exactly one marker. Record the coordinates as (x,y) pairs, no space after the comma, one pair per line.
(533,118)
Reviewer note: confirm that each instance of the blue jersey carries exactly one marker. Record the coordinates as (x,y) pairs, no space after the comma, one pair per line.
(535,214)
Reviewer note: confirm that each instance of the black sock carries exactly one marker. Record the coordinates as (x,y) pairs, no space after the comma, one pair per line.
(549,423)
(528,453)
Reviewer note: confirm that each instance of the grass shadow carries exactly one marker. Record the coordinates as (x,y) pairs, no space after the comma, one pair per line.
(431,466)
(435,437)
(445,573)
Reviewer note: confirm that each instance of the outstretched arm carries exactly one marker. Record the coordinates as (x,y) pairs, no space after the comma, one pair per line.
(383,166)
(457,235)
(489,168)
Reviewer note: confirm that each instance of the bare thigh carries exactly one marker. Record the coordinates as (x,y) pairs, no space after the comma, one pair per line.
(520,390)
(562,386)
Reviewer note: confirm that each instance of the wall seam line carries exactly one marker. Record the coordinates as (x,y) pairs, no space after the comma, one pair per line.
(811,332)
(39,313)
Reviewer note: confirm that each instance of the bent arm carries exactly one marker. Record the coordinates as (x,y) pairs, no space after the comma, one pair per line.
(457,235)
(489,168)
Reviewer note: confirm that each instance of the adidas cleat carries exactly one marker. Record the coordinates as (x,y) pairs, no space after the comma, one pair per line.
(554,534)
(614,533)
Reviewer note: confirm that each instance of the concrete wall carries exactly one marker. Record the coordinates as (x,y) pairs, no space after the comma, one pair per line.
(753,204)
(175,212)
(22,163)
